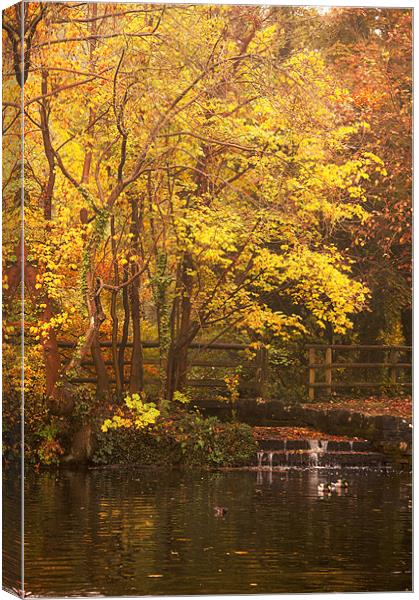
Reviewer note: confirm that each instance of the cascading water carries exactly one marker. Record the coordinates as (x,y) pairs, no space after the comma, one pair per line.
(315,453)
(265,459)
(315,449)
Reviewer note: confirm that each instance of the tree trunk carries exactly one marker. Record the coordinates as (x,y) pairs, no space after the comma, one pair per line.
(177,370)
(91,287)
(125,329)
(136,382)
(160,285)
(102,386)
(92,12)
(49,153)
(52,358)
(114,314)
(81,445)
(188,329)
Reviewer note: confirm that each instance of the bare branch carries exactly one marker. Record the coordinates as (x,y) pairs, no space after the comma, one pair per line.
(61,89)
(102,157)
(108,16)
(79,187)
(97,37)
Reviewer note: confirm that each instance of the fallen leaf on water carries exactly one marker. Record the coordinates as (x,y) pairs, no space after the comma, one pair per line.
(155,575)
(240,552)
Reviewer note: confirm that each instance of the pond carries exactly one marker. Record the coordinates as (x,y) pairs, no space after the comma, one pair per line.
(118,532)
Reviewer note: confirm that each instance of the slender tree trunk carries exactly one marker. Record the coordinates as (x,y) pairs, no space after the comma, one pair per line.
(102,387)
(136,383)
(177,367)
(170,374)
(160,285)
(125,328)
(92,10)
(186,331)
(59,399)
(114,314)
(114,341)
(90,288)
(51,358)
(182,347)
(96,318)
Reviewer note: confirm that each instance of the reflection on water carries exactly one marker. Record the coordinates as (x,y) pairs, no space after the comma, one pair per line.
(155,532)
(12,530)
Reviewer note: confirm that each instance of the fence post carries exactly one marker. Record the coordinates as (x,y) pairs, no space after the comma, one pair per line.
(311,373)
(328,372)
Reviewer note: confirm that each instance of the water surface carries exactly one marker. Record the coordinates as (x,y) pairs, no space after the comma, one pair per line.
(115,532)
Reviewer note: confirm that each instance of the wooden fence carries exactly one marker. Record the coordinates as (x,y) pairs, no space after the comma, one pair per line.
(258,366)
(322,357)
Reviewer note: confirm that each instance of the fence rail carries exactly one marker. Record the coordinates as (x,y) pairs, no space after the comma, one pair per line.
(259,365)
(321,358)
(155,344)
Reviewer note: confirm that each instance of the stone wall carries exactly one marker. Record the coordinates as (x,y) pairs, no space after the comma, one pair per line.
(375,428)
(389,434)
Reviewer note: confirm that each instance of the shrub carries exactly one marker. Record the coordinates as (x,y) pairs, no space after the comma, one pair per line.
(49,449)
(235,444)
(131,446)
(186,438)
(137,414)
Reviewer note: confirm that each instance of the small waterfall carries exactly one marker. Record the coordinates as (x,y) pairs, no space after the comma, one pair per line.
(315,450)
(314,453)
(261,455)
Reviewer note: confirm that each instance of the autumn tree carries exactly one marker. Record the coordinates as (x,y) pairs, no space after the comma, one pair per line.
(189,174)
(371,49)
